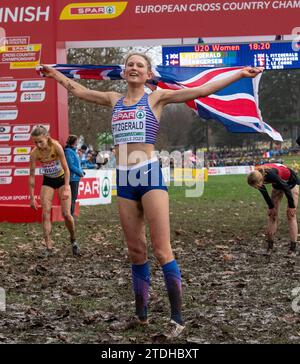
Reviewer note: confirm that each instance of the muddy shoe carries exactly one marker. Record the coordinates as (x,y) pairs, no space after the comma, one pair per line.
(48,244)
(174,330)
(270,245)
(292,251)
(50,252)
(269,250)
(75,248)
(47,253)
(128,324)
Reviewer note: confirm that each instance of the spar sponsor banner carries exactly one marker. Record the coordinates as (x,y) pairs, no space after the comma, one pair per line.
(21,56)
(174,19)
(135,19)
(95,188)
(93,10)
(218,171)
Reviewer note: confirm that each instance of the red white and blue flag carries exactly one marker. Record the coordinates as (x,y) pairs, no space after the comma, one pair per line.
(235,106)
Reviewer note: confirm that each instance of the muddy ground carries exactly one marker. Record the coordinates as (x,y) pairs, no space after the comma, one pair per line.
(233,293)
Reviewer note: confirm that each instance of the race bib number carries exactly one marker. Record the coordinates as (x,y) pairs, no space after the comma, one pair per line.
(52,169)
(129,126)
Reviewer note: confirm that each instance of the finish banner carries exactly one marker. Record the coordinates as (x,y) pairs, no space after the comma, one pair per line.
(136,19)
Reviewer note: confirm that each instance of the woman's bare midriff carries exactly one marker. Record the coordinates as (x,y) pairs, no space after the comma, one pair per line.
(133,153)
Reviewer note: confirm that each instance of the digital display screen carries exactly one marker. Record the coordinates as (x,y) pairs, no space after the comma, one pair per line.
(271,55)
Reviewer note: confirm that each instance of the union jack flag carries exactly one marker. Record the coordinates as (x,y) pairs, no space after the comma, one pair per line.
(235,106)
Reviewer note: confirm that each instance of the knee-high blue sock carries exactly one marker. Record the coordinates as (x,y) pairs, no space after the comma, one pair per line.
(141,283)
(173,283)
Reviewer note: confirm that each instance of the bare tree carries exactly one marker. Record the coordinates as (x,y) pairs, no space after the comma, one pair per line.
(89,119)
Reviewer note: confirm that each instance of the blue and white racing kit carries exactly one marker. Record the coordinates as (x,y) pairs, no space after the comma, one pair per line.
(133,182)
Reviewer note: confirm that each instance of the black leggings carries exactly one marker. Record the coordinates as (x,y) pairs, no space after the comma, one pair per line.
(74,191)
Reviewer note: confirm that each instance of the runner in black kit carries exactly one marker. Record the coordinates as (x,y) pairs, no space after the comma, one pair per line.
(284,181)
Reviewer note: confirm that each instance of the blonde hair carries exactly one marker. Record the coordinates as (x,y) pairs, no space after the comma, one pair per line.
(39,130)
(254,178)
(263,169)
(143,55)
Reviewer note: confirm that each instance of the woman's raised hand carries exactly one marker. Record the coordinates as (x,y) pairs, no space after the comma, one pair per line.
(46,71)
(251,71)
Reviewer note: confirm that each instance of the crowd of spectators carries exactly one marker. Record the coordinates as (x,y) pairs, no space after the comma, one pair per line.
(95,159)
(91,159)
(240,157)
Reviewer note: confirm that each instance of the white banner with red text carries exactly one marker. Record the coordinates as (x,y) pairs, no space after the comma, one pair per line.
(95,188)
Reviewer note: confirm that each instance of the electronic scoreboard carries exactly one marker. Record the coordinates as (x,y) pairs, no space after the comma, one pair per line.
(271,55)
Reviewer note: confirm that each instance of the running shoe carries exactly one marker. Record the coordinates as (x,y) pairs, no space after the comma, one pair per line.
(292,251)
(174,330)
(75,248)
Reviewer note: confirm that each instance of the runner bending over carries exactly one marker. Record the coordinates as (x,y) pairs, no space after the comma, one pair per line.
(284,181)
(50,154)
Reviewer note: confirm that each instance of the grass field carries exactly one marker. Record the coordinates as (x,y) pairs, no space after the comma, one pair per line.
(289,160)
(232,292)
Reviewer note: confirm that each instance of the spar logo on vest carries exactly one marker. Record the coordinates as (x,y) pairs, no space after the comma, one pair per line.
(140,114)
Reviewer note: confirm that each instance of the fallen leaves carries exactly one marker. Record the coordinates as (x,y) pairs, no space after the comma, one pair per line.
(227,257)
(290,319)
(199,242)
(230,293)
(180,232)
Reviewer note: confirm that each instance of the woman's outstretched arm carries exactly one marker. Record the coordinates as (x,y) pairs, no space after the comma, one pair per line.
(186,94)
(78,90)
